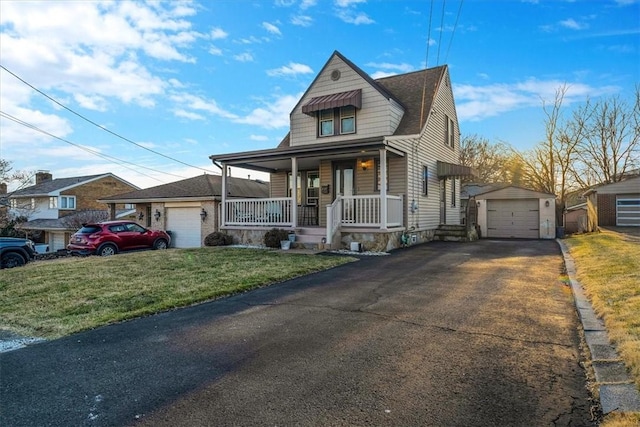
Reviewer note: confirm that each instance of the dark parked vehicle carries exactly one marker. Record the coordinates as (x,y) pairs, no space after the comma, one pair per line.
(15,252)
(110,237)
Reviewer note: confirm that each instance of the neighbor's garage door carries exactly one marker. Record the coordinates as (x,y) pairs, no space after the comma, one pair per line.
(627,212)
(184,224)
(56,242)
(513,218)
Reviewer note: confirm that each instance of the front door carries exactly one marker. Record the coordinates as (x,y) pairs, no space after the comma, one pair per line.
(343,184)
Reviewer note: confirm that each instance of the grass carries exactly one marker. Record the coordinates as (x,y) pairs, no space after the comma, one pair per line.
(51,299)
(608,267)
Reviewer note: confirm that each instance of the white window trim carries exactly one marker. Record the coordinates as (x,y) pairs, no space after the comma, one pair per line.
(60,204)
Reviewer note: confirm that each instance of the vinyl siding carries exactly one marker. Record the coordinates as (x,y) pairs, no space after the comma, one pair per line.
(631,185)
(378,116)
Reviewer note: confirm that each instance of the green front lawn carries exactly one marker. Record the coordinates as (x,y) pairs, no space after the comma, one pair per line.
(608,267)
(55,298)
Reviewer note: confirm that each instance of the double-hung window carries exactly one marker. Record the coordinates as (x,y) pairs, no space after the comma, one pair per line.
(337,121)
(449,138)
(326,122)
(67,202)
(53,202)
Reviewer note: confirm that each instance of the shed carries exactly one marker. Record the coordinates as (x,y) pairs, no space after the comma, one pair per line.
(514,212)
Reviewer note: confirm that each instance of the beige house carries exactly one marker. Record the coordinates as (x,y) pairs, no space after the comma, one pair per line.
(188,209)
(514,212)
(616,204)
(363,161)
(55,208)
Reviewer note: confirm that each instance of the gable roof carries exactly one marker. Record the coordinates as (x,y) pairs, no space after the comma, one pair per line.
(201,187)
(510,191)
(405,89)
(61,184)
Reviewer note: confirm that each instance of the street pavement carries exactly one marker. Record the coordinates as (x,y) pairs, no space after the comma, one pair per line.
(440,334)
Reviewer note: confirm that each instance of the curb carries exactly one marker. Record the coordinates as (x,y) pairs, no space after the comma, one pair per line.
(616,389)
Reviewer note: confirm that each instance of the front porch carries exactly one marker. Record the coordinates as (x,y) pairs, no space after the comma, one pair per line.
(372,214)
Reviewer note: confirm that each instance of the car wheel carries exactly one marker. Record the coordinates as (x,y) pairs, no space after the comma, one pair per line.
(11,259)
(107,250)
(160,244)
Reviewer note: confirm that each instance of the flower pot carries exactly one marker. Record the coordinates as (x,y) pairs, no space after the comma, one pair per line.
(285,244)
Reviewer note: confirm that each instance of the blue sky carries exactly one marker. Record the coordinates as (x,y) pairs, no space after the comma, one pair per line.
(184,80)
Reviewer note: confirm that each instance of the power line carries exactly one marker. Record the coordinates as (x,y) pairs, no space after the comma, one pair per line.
(96,124)
(454,31)
(89,150)
(441,31)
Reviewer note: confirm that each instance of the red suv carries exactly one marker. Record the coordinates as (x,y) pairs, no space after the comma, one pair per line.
(110,237)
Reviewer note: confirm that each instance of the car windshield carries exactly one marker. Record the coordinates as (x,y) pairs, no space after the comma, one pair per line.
(88,229)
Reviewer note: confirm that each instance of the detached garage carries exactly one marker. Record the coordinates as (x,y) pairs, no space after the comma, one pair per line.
(516,213)
(616,204)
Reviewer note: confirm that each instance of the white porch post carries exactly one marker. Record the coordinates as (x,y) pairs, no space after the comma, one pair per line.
(294,191)
(383,189)
(223,194)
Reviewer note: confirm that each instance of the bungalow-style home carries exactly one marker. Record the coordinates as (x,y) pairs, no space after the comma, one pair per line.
(514,212)
(364,160)
(187,209)
(615,204)
(56,208)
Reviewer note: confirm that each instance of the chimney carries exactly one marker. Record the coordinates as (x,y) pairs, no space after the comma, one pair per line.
(43,176)
(3,188)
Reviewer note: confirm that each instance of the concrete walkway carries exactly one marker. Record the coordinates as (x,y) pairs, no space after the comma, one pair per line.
(616,389)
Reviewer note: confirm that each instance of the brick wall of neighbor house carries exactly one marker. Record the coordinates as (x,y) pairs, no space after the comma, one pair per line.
(606,209)
(88,194)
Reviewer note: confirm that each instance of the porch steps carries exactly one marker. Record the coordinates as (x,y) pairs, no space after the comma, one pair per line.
(309,237)
(453,233)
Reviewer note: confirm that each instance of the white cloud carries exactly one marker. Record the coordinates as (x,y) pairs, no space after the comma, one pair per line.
(188,102)
(302,20)
(243,57)
(479,102)
(96,103)
(352,17)
(216,51)
(347,3)
(306,4)
(273,115)
(271,28)
(402,68)
(290,70)
(188,114)
(218,33)
(573,24)
(260,138)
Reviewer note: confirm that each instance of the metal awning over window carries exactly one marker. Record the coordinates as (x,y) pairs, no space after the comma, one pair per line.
(335,100)
(451,170)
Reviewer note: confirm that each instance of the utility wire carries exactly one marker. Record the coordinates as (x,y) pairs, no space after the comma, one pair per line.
(441,31)
(96,124)
(454,31)
(89,150)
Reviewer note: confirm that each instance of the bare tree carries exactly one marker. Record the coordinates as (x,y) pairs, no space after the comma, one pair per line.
(490,161)
(16,180)
(78,219)
(611,146)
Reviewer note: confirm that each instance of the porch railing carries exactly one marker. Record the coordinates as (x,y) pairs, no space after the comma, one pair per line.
(272,212)
(352,211)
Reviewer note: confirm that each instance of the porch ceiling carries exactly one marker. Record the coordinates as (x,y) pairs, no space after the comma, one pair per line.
(308,156)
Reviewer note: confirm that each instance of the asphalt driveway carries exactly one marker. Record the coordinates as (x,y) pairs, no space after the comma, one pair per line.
(442,334)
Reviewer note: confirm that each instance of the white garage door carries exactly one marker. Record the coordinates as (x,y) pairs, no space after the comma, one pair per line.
(184,224)
(627,212)
(513,218)
(57,242)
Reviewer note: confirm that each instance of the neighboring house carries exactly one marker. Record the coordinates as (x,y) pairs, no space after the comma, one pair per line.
(616,204)
(575,218)
(514,212)
(57,207)
(188,209)
(364,160)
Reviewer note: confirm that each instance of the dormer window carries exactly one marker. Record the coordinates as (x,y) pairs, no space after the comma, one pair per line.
(335,113)
(325,119)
